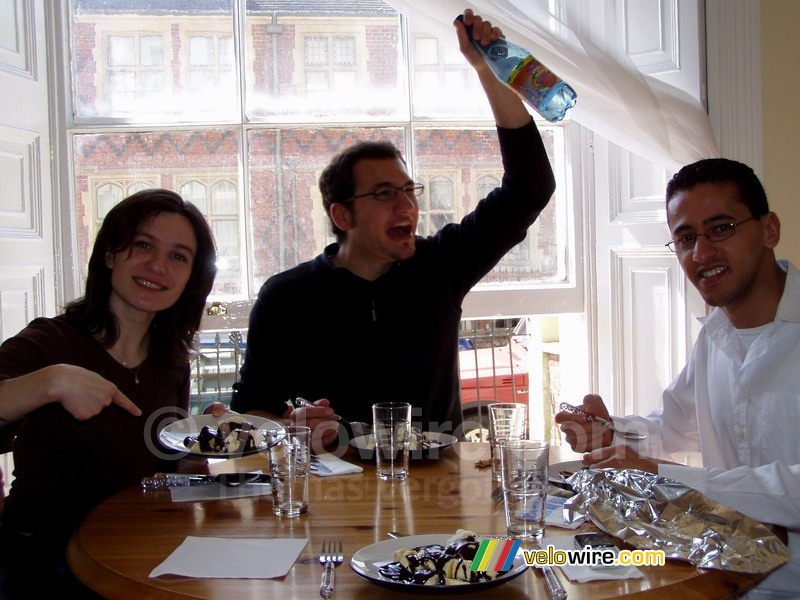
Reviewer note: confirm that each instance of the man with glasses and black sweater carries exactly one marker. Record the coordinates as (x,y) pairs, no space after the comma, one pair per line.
(375,317)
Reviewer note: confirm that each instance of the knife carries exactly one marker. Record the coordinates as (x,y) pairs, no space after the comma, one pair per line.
(161,481)
(553,583)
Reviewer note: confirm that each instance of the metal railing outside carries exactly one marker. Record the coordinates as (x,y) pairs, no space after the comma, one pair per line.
(494,374)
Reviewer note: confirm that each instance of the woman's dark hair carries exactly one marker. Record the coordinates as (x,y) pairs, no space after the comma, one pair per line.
(337,183)
(172,330)
(722,170)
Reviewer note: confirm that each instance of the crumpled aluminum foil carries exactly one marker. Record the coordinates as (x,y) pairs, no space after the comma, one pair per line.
(654,513)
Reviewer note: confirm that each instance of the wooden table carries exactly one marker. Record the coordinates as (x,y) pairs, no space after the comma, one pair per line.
(127,536)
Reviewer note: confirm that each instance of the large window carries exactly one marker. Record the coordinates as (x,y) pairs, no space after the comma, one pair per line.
(240,113)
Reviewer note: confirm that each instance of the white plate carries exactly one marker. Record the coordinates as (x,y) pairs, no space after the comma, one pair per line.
(366,562)
(571,466)
(366,445)
(174,434)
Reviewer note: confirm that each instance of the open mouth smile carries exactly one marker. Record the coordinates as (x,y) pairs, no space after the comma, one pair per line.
(148,284)
(709,273)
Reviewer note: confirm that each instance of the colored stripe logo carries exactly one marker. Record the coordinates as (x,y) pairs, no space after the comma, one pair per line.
(495,555)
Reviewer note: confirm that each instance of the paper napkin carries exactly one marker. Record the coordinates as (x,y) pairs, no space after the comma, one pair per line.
(581,573)
(330,464)
(232,558)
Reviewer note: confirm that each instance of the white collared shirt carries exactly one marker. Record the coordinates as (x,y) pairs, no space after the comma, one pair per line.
(739,406)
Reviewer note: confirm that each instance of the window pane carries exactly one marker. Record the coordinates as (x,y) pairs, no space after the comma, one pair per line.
(226,57)
(445,87)
(440,192)
(471,153)
(427,85)
(144,74)
(224,199)
(201,50)
(439,220)
(316,82)
(121,51)
(188,162)
(338,65)
(344,52)
(138,187)
(121,84)
(316,52)
(344,80)
(486,184)
(152,82)
(195,193)
(108,196)
(287,222)
(426,51)
(319,77)
(152,50)
(455,80)
(451,55)
(226,234)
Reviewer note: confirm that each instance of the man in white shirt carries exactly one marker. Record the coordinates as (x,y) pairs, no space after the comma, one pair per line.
(737,400)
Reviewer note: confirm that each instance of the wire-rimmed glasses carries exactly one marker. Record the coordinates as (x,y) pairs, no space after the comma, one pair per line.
(387,193)
(717,233)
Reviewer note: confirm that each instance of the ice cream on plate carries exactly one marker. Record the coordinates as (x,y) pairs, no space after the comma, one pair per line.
(233,435)
(436,564)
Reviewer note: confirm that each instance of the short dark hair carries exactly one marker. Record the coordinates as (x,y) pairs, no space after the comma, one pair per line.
(722,170)
(337,181)
(172,330)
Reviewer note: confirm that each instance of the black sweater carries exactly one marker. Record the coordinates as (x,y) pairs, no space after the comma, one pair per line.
(319,331)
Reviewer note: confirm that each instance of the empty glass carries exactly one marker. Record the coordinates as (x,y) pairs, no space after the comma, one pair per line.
(392,430)
(289,465)
(523,478)
(507,421)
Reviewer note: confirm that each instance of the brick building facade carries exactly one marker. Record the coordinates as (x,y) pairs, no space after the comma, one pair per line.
(290,130)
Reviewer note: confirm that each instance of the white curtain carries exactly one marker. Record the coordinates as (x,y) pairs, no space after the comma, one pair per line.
(637,112)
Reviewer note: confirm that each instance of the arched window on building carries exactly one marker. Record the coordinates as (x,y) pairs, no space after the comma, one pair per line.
(436,205)
(108,196)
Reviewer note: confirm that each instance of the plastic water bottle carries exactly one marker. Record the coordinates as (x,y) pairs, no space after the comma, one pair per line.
(539,86)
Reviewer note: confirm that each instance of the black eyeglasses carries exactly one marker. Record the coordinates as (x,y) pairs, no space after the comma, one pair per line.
(714,234)
(387,193)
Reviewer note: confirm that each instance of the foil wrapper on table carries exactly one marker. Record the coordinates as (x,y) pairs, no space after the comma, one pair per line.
(650,512)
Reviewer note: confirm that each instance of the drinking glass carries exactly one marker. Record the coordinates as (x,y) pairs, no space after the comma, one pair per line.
(392,430)
(523,477)
(507,421)
(289,465)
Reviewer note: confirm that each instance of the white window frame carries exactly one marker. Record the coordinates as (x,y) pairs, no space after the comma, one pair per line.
(485,301)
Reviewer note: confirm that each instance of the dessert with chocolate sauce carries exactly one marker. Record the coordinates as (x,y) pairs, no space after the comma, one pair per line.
(439,565)
(234,435)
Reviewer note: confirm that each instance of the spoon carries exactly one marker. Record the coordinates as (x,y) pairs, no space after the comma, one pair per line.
(355,428)
(628,435)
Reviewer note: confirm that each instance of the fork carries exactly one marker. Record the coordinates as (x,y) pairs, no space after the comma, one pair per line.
(329,557)
(318,466)
(363,428)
